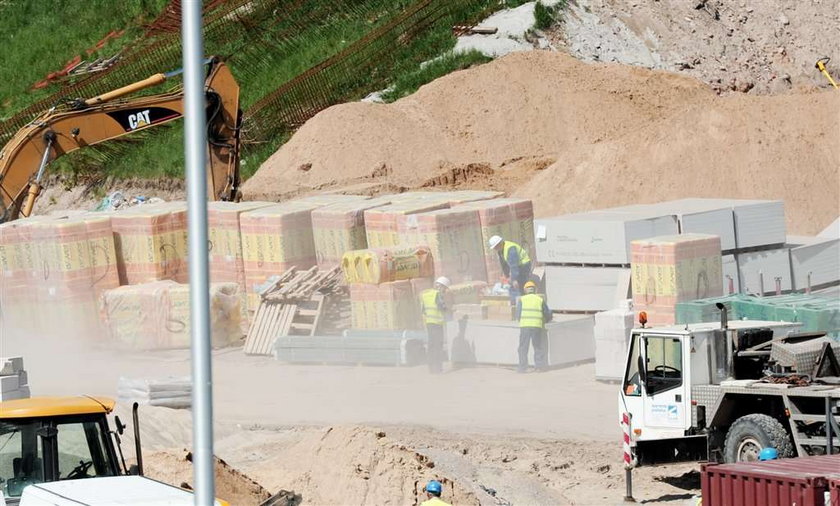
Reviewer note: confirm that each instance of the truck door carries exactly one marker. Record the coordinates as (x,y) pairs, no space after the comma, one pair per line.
(665,395)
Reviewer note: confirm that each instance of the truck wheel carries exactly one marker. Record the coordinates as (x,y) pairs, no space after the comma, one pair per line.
(750,433)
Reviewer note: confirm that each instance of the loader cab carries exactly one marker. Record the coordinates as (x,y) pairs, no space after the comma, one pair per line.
(51,439)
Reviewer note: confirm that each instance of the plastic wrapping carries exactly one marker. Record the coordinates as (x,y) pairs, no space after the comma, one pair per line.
(274,239)
(454,237)
(172,392)
(156,316)
(511,219)
(151,242)
(339,228)
(382,265)
(387,306)
(671,269)
(381,223)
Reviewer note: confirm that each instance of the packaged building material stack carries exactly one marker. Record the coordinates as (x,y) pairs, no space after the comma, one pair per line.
(815,262)
(612,334)
(511,219)
(388,306)
(18,297)
(587,256)
(156,315)
(454,238)
(382,265)
(14,381)
(151,243)
(381,223)
(274,239)
(339,228)
(671,269)
(172,392)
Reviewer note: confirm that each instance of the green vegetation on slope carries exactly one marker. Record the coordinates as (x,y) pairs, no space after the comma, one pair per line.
(40,36)
(409,82)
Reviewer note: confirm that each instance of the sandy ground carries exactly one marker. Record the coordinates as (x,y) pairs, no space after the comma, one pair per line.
(574,136)
(548,438)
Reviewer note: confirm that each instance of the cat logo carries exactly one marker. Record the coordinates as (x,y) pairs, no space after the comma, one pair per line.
(139,120)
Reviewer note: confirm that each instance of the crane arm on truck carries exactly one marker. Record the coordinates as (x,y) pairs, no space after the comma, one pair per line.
(110,116)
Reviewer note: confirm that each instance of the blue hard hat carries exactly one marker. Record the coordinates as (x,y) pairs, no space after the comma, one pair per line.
(768,454)
(434,487)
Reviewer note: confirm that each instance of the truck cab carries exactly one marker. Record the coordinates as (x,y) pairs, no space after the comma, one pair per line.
(702,392)
(50,439)
(61,450)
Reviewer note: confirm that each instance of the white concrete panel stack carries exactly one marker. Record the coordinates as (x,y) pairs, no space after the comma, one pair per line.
(570,341)
(588,255)
(14,382)
(815,261)
(612,333)
(731,279)
(765,272)
(832,231)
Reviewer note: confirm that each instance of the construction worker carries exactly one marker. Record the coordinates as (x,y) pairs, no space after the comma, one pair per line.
(515,262)
(433,308)
(433,491)
(532,313)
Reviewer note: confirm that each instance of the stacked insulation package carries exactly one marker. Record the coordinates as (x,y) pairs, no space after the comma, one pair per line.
(274,239)
(339,228)
(671,269)
(382,223)
(151,242)
(454,237)
(383,265)
(156,315)
(511,219)
(227,264)
(54,270)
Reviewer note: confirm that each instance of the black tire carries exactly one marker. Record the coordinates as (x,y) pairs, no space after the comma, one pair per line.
(750,433)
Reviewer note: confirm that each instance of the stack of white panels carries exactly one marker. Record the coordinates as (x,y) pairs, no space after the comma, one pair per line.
(763,272)
(612,333)
(832,231)
(166,392)
(696,216)
(815,261)
(597,237)
(731,279)
(570,341)
(14,382)
(570,288)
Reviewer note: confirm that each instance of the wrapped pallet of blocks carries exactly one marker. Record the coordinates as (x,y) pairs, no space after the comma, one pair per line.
(340,227)
(156,316)
(387,306)
(454,237)
(18,298)
(671,269)
(151,242)
(381,223)
(227,265)
(382,265)
(14,381)
(511,219)
(274,239)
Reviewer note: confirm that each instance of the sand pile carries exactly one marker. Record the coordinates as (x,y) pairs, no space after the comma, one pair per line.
(341,465)
(176,469)
(616,134)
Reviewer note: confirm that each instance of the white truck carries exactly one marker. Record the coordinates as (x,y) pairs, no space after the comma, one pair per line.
(723,391)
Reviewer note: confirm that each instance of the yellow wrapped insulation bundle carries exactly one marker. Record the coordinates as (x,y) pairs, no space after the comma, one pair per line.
(382,265)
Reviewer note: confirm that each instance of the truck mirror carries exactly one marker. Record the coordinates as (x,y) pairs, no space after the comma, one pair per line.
(120,426)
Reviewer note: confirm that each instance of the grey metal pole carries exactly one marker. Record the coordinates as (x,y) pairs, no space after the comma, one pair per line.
(195,147)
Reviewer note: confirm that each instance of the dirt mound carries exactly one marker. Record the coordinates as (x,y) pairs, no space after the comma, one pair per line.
(342,465)
(618,135)
(759,46)
(176,469)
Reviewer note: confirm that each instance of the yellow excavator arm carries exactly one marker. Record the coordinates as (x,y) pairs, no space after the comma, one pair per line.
(108,116)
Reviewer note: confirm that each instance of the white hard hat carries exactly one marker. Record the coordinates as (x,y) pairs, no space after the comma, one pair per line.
(494,241)
(443,280)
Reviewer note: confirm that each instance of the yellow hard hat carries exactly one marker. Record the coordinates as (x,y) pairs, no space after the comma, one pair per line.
(529,284)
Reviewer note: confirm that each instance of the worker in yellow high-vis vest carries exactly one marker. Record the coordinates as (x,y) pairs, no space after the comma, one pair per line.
(433,307)
(532,313)
(515,262)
